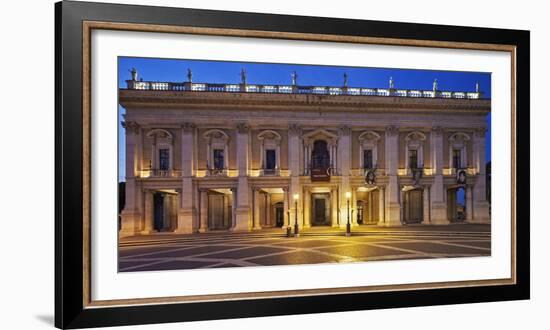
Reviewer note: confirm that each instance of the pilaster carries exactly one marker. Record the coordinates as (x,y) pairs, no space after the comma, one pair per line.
(393,206)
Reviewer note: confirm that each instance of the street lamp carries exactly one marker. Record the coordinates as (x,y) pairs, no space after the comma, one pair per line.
(296,229)
(348,225)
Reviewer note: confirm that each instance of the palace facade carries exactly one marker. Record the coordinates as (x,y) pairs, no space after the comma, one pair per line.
(241,157)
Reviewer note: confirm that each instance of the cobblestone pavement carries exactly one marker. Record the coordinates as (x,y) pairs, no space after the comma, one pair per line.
(268,247)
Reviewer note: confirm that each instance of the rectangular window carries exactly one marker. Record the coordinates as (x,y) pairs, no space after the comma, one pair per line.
(367,158)
(164,159)
(456,159)
(413,159)
(218,159)
(270,159)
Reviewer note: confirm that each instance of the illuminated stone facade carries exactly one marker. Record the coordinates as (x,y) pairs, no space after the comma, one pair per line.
(204,157)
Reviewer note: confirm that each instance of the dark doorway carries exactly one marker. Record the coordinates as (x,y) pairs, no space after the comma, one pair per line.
(413,210)
(279,214)
(158,206)
(320,209)
(360,209)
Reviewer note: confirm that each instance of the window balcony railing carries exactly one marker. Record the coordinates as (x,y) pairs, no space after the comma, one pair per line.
(270,172)
(158,173)
(453,170)
(363,171)
(332,171)
(217,172)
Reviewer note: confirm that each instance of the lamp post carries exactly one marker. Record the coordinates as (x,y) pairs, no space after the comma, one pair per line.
(348,225)
(296,229)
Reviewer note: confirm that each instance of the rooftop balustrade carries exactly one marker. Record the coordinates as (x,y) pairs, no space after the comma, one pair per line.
(296,89)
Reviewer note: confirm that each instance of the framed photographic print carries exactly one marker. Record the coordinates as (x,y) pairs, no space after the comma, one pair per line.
(218,164)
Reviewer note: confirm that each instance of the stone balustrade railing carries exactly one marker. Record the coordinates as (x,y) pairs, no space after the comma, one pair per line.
(295,89)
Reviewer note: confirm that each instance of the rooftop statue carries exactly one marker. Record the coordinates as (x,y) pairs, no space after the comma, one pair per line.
(435,85)
(391,83)
(189,75)
(294,77)
(243,77)
(345,79)
(134,74)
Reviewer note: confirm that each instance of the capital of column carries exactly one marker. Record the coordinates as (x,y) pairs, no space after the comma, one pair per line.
(294,129)
(187,127)
(437,130)
(392,130)
(243,128)
(131,127)
(344,130)
(178,190)
(285,189)
(480,132)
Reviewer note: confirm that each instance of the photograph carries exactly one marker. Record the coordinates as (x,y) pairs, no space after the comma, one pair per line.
(247,164)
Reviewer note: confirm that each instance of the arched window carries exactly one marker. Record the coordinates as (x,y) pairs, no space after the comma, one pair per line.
(217,152)
(329,144)
(458,143)
(161,152)
(320,157)
(414,153)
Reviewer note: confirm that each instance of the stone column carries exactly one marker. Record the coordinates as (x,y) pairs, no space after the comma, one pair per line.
(469,203)
(426,205)
(307,207)
(149,219)
(353,206)
(131,216)
(203,210)
(381,206)
(481,205)
(233,207)
(256,204)
(243,220)
(437,191)
(294,142)
(402,203)
(267,209)
(285,208)
(334,206)
(344,157)
(187,211)
(393,217)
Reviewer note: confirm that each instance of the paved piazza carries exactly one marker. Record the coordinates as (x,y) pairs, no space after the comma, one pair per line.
(272,247)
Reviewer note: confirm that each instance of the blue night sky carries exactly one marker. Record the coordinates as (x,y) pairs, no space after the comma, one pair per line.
(175,70)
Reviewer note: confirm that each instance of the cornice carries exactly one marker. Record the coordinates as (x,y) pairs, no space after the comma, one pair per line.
(270,102)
